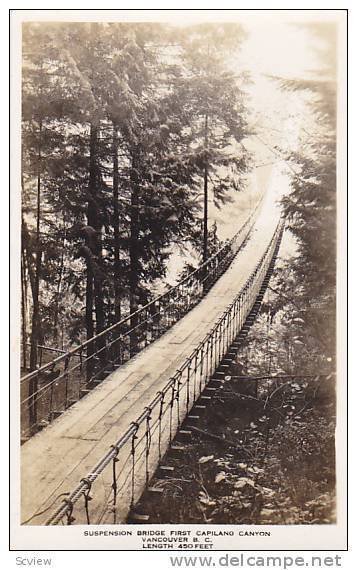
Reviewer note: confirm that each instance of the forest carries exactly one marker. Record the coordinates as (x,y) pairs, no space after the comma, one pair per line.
(133,134)
(123,129)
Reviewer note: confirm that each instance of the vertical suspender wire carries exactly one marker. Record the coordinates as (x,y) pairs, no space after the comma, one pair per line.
(188,395)
(66,364)
(134,437)
(207,341)
(114,482)
(147,445)
(201,367)
(162,401)
(195,377)
(172,400)
(178,394)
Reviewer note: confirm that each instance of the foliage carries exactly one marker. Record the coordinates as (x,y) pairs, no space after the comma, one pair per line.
(277,466)
(113,150)
(310,207)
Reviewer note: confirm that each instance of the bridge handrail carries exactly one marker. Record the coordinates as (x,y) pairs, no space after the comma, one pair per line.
(242,300)
(48,391)
(79,348)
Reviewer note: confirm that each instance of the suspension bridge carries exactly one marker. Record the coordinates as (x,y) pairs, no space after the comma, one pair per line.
(97,420)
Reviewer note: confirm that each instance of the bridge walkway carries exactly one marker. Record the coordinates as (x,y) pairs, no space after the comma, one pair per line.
(54,460)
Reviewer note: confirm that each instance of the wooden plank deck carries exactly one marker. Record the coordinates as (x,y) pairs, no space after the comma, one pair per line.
(54,460)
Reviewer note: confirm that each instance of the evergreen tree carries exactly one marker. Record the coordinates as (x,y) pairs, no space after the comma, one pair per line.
(310,207)
(115,145)
(218,115)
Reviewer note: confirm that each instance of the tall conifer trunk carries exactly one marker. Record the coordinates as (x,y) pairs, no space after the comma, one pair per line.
(94,288)
(58,290)
(117,276)
(35,324)
(38,259)
(96,223)
(133,248)
(205,195)
(24,289)
(91,215)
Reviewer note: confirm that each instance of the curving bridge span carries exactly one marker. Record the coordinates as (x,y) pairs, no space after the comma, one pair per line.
(97,421)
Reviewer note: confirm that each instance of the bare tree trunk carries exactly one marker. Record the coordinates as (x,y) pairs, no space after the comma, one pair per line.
(24,293)
(94,287)
(133,250)
(91,219)
(96,223)
(24,281)
(37,277)
(117,276)
(89,302)
(35,325)
(205,196)
(58,290)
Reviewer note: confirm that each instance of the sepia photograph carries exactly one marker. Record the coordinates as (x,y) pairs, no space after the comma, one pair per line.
(177,358)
